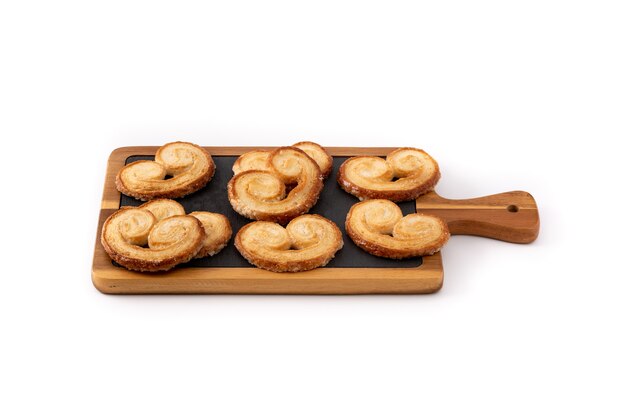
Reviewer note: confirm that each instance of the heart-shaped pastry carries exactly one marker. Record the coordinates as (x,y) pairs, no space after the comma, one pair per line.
(378,227)
(404,175)
(309,241)
(178,169)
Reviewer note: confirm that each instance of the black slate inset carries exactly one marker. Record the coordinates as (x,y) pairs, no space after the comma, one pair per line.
(333,204)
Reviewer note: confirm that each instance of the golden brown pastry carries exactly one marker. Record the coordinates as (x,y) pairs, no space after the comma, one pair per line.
(136,240)
(404,175)
(217,229)
(216,226)
(262,194)
(319,155)
(126,233)
(163,208)
(253,160)
(190,167)
(309,241)
(259,159)
(378,227)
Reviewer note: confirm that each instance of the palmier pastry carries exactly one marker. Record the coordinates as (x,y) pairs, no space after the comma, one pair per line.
(262,194)
(378,227)
(135,239)
(216,226)
(309,241)
(189,166)
(259,159)
(404,175)
(217,230)
(136,227)
(321,157)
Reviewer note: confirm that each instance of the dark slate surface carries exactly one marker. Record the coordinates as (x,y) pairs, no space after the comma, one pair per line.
(333,204)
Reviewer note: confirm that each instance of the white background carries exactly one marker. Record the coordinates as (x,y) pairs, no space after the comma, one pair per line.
(505,95)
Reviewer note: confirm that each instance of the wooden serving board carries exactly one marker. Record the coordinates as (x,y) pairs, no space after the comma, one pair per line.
(511,216)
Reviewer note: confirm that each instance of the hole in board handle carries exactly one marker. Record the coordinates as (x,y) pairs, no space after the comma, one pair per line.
(512,208)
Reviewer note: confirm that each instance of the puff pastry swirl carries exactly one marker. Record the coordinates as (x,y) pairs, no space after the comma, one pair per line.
(259,159)
(216,226)
(262,194)
(157,235)
(170,241)
(189,166)
(309,241)
(378,227)
(415,173)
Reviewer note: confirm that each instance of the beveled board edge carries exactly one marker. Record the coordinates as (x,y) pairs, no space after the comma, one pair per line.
(109,279)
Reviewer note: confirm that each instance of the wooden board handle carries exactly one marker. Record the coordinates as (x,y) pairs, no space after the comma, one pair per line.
(512,217)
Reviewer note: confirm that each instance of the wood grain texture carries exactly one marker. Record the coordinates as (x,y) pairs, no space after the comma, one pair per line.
(107,278)
(511,217)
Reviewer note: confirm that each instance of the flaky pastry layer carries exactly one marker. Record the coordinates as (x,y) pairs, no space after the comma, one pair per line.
(259,160)
(378,227)
(308,242)
(404,175)
(136,240)
(262,194)
(217,230)
(157,235)
(189,166)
